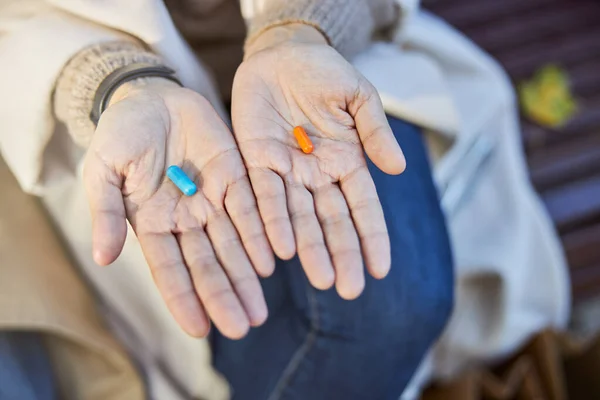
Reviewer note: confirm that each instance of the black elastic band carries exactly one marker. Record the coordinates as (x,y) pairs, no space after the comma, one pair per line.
(122,75)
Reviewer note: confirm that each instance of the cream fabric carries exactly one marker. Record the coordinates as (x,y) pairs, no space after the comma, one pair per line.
(41,291)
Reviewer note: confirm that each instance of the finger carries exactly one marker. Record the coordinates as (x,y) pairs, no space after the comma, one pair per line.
(234,260)
(212,286)
(241,207)
(109,227)
(361,197)
(375,133)
(173,282)
(312,251)
(271,198)
(342,240)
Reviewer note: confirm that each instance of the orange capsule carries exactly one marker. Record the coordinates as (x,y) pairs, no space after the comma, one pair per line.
(303,140)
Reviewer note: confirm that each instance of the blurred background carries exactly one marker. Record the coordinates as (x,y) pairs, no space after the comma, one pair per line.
(526,36)
(551,51)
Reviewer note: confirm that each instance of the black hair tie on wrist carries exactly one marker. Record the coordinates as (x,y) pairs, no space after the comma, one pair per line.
(122,75)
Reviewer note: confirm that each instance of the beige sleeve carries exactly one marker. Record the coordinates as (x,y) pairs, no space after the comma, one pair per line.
(349,25)
(38,39)
(78,82)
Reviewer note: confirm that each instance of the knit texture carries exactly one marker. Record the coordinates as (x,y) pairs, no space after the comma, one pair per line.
(81,77)
(349,25)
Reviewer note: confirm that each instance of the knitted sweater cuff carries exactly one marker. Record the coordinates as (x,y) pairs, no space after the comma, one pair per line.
(81,77)
(348,25)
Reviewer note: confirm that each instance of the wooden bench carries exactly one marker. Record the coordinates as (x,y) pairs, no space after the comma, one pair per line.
(524,35)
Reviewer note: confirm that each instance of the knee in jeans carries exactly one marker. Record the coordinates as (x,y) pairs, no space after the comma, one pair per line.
(418,317)
(436,304)
(388,312)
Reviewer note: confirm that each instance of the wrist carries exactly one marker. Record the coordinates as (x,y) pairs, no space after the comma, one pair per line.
(297,32)
(80,80)
(146,84)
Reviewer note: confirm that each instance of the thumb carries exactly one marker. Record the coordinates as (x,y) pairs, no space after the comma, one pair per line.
(374,131)
(109,226)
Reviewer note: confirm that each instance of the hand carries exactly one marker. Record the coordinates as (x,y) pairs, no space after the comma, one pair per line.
(319,203)
(190,243)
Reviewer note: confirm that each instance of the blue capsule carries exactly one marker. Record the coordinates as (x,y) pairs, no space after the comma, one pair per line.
(181,180)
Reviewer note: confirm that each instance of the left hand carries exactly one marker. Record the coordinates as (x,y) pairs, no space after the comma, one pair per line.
(201,249)
(319,203)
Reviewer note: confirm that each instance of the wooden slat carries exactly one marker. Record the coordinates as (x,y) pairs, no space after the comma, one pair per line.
(585,78)
(585,282)
(463,14)
(538,24)
(573,204)
(560,164)
(523,61)
(581,247)
(586,121)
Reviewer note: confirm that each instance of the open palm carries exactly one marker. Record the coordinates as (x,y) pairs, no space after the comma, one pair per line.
(323,204)
(190,243)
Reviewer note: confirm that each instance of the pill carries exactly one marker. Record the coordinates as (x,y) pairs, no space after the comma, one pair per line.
(181,180)
(303,140)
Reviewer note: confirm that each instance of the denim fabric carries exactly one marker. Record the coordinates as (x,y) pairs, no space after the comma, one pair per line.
(317,346)
(25,371)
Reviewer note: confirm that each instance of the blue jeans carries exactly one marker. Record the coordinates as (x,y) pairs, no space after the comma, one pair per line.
(317,346)
(25,370)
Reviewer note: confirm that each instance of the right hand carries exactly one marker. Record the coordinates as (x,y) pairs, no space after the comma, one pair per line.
(200,265)
(324,204)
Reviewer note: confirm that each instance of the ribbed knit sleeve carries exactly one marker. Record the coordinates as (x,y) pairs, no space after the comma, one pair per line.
(81,77)
(349,25)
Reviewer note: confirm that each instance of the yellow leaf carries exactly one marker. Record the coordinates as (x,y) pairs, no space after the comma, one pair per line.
(547,99)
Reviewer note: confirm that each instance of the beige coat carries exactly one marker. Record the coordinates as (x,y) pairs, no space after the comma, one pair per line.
(41,291)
